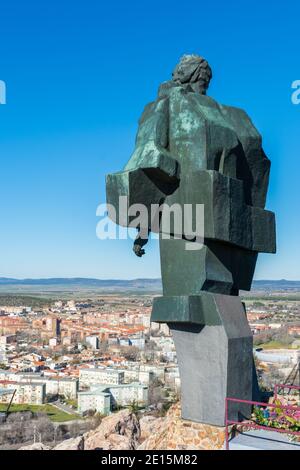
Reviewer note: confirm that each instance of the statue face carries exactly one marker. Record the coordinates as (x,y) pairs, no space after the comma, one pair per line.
(183,72)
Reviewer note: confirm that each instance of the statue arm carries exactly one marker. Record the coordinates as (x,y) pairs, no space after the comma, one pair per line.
(151,153)
(151,173)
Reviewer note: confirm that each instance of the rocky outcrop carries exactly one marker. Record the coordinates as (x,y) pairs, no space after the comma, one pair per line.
(77,443)
(174,433)
(149,426)
(36,446)
(118,431)
(123,431)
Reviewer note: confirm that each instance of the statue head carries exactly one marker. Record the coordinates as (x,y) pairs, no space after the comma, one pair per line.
(193,70)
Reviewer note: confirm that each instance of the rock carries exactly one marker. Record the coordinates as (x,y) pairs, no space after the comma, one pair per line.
(76,443)
(123,431)
(149,426)
(119,431)
(112,442)
(36,446)
(175,433)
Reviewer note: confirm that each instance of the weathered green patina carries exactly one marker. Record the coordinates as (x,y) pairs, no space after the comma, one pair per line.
(192,150)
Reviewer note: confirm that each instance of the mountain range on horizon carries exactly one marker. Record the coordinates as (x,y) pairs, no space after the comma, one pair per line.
(140,283)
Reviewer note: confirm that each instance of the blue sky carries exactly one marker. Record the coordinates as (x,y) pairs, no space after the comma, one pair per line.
(78,75)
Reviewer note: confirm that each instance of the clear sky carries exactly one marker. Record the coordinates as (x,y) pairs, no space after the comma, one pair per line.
(78,75)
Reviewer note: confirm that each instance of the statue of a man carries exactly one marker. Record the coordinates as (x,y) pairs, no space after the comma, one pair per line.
(191,150)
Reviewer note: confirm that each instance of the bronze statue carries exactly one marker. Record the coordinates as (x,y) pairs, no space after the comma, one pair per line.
(191,150)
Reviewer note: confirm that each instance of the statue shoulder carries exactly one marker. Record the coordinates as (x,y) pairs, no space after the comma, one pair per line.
(239,119)
(234,110)
(148,109)
(158,106)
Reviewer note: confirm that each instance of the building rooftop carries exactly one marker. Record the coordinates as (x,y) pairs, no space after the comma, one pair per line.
(104,369)
(98,391)
(6,391)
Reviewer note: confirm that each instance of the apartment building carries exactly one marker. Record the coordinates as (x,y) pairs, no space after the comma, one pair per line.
(103,376)
(92,341)
(96,400)
(103,399)
(26,393)
(125,394)
(137,375)
(65,386)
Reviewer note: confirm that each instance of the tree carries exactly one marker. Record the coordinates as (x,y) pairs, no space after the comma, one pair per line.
(131,353)
(134,407)
(157,394)
(45,428)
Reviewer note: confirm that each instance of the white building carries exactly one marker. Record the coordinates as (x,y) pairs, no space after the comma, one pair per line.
(26,393)
(53,342)
(66,386)
(125,394)
(280,356)
(137,375)
(92,341)
(94,400)
(102,398)
(7,339)
(137,341)
(100,376)
(157,370)
(3,355)
(7,375)
(172,377)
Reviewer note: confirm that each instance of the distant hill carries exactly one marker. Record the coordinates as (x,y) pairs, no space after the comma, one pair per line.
(80,283)
(280,285)
(123,284)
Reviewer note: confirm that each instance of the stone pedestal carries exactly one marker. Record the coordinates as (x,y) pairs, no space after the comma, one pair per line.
(214,355)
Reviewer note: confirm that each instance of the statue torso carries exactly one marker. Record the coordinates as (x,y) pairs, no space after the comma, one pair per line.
(202,135)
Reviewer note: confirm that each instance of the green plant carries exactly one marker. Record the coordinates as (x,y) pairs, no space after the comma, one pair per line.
(134,407)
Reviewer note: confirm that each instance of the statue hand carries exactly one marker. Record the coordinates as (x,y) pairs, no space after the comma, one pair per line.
(138,250)
(139,242)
